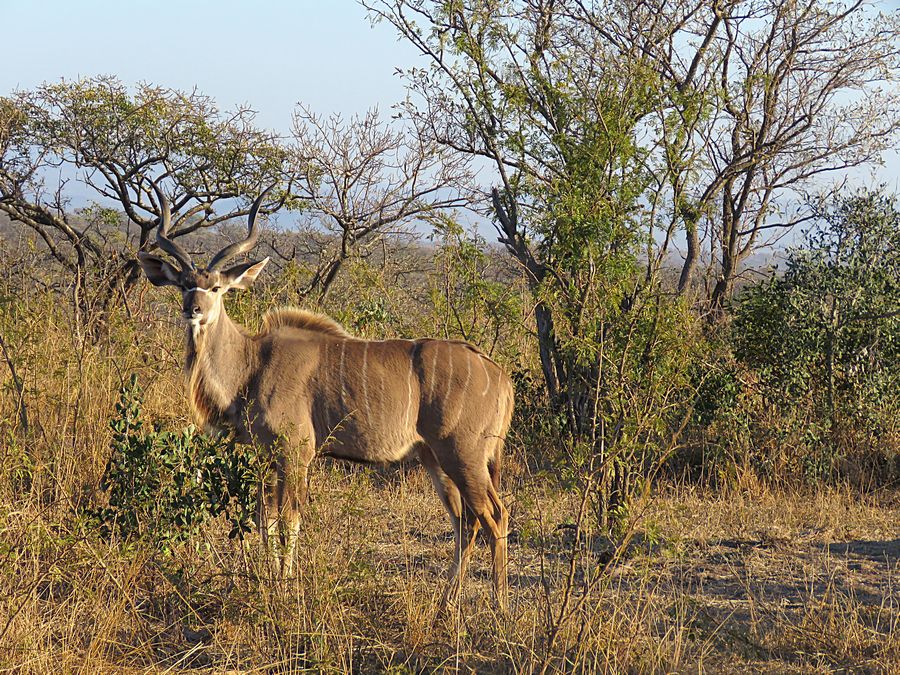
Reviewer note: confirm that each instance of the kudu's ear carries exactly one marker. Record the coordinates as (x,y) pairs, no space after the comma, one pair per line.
(158,271)
(242,276)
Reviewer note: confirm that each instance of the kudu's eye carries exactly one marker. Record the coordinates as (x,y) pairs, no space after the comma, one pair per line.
(216,289)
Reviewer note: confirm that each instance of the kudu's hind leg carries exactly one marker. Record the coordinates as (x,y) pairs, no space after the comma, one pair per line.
(475,484)
(498,532)
(497,512)
(463,521)
(482,499)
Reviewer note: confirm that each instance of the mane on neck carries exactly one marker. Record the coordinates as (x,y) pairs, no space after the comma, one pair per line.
(293,317)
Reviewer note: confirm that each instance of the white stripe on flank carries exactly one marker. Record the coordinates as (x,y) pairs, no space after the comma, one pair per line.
(449,371)
(487,378)
(409,377)
(381,390)
(366,382)
(465,389)
(468,371)
(433,371)
(343,388)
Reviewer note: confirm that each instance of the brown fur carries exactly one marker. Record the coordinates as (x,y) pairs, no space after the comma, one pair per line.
(294,317)
(472,348)
(206,414)
(202,407)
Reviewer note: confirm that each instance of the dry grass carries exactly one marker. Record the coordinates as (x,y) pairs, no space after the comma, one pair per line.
(765,582)
(748,579)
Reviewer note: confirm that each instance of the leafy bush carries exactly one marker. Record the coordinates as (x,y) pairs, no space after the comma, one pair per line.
(824,337)
(471,296)
(163,486)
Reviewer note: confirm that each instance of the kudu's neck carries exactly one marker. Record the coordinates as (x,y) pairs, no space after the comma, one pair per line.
(220,359)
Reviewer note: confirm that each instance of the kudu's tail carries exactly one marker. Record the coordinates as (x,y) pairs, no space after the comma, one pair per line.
(494,466)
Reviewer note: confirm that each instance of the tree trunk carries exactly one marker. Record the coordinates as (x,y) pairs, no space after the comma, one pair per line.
(690,260)
(547,350)
(730,252)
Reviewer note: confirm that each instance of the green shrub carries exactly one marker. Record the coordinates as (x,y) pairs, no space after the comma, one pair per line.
(824,339)
(163,486)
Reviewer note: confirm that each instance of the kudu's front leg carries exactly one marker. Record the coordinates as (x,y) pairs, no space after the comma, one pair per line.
(282,497)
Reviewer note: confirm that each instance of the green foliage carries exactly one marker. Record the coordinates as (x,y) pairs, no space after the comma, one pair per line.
(163,486)
(824,337)
(470,300)
(16,466)
(371,312)
(99,122)
(718,438)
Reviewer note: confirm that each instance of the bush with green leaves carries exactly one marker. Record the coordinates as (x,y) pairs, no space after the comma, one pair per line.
(823,338)
(719,436)
(163,486)
(471,296)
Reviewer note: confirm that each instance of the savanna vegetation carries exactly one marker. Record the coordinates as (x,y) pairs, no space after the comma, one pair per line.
(703,466)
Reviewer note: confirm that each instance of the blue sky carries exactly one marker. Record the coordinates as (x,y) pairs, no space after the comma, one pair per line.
(270,54)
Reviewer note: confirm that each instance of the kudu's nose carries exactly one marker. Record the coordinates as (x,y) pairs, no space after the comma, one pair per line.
(196,310)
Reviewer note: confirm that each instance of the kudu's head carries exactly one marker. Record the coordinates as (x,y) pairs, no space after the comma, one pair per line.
(202,290)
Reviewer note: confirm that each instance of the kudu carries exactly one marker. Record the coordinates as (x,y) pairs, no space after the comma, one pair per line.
(303,386)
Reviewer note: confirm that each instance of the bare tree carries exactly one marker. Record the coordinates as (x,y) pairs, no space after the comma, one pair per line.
(25,200)
(755,101)
(799,97)
(764,98)
(121,141)
(120,144)
(363,179)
